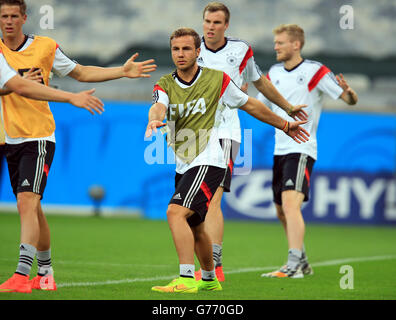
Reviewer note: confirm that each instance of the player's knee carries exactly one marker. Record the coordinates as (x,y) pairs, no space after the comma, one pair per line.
(175,211)
(199,233)
(290,209)
(27,202)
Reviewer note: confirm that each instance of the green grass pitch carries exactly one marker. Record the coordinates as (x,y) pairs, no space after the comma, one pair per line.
(122,258)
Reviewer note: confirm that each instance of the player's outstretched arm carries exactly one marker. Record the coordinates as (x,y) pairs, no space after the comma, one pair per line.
(87,101)
(269,91)
(131,69)
(348,95)
(155,119)
(33,90)
(261,112)
(142,69)
(32,74)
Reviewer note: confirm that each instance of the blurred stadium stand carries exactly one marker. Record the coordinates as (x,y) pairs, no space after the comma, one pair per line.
(102,32)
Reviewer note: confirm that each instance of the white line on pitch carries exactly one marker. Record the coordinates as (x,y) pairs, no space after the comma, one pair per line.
(105,264)
(242,270)
(319,264)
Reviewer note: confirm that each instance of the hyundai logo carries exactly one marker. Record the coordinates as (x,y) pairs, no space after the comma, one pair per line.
(251,195)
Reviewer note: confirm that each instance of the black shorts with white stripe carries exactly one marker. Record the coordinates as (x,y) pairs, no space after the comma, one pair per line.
(291,172)
(230,149)
(194,190)
(29,164)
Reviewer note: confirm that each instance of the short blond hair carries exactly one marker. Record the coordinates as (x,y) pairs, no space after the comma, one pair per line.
(217,6)
(295,32)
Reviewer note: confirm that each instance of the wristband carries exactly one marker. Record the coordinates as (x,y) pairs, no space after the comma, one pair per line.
(286,127)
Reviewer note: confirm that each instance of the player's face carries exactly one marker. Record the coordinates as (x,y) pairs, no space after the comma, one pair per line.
(184,52)
(11,20)
(214,26)
(285,48)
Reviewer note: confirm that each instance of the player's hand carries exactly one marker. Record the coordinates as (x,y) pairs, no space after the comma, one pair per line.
(142,69)
(86,100)
(297,112)
(152,126)
(34,75)
(343,84)
(296,132)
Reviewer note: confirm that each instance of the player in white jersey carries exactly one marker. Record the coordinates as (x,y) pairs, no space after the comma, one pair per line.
(234,57)
(300,81)
(30,139)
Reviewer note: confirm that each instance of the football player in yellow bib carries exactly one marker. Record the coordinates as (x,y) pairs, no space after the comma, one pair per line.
(29,133)
(193,99)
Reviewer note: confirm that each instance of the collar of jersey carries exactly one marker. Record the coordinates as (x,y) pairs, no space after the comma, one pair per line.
(218,49)
(190,83)
(27,37)
(295,67)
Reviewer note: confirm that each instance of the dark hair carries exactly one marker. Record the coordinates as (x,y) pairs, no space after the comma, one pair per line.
(181,32)
(217,6)
(20,3)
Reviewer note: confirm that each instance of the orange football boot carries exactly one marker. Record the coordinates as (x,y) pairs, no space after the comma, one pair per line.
(17,283)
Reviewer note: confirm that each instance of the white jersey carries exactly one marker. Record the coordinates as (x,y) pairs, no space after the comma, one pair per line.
(304,84)
(236,59)
(6,72)
(213,154)
(62,66)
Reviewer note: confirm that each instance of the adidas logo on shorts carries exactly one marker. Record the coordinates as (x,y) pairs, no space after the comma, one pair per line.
(25,183)
(177,197)
(289,183)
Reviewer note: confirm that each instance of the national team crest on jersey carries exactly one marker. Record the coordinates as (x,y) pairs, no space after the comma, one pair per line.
(231,60)
(300,79)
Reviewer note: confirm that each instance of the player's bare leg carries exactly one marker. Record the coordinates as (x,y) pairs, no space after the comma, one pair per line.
(181,232)
(28,206)
(281,216)
(292,222)
(44,280)
(44,242)
(214,221)
(183,239)
(214,225)
(295,231)
(203,247)
(295,226)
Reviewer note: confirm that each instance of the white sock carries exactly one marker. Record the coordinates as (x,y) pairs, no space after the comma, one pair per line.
(208,275)
(294,258)
(187,270)
(44,262)
(45,271)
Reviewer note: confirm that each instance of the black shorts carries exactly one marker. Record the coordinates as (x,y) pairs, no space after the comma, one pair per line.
(291,172)
(29,164)
(231,149)
(194,190)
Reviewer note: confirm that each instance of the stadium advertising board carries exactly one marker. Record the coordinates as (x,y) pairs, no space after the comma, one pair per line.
(335,197)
